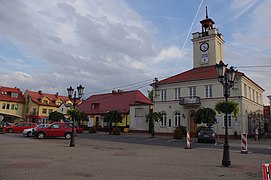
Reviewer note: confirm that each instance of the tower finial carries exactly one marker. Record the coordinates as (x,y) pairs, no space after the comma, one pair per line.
(206,13)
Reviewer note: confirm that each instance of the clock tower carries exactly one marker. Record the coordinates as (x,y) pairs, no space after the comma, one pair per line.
(208,45)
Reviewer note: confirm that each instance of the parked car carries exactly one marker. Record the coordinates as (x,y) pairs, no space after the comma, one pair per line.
(206,135)
(29,132)
(78,128)
(57,129)
(20,127)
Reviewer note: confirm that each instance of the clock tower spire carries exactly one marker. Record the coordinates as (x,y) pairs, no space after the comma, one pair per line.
(208,44)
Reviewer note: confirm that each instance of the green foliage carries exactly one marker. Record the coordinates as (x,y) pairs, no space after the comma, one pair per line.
(153,117)
(79,116)
(113,117)
(150,95)
(116,131)
(56,116)
(227,107)
(179,132)
(92,130)
(205,116)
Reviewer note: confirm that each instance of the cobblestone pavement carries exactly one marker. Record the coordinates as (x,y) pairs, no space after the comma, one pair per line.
(29,158)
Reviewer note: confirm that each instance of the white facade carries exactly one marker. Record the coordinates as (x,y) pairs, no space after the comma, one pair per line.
(138,117)
(180,96)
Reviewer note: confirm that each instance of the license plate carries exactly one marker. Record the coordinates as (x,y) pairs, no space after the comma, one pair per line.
(205,135)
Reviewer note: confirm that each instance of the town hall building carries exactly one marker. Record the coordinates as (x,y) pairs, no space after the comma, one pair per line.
(180,96)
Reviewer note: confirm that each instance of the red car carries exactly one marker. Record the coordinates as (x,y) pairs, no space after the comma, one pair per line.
(20,127)
(57,129)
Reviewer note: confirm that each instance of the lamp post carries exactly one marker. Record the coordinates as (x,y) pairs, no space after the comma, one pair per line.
(226,78)
(70,90)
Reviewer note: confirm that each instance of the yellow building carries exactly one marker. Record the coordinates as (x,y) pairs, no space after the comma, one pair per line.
(11,103)
(39,105)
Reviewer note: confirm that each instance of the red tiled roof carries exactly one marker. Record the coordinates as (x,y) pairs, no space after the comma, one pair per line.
(201,73)
(208,72)
(5,94)
(119,101)
(37,96)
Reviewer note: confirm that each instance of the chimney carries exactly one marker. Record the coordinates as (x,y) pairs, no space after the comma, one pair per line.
(40,92)
(56,94)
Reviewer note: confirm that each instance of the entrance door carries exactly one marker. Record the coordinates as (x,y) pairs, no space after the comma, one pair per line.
(192,124)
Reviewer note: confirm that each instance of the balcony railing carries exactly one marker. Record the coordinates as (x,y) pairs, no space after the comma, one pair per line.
(190,101)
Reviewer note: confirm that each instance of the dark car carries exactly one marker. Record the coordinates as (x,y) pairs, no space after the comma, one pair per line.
(206,135)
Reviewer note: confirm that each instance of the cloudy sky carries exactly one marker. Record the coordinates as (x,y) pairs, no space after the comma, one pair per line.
(105,44)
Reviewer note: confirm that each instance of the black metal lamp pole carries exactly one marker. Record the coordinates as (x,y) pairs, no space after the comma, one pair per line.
(226,78)
(80,90)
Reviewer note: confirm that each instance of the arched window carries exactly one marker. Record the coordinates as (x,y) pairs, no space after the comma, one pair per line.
(164,119)
(177,118)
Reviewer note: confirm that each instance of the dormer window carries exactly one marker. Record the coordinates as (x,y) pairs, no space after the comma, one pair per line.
(45,102)
(14,95)
(94,105)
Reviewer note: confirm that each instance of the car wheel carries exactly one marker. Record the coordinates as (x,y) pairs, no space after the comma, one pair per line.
(10,130)
(28,134)
(68,136)
(41,135)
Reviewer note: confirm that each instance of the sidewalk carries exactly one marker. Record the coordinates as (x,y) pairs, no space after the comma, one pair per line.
(29,158)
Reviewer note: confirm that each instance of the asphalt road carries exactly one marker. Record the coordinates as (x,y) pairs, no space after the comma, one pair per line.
(168,141)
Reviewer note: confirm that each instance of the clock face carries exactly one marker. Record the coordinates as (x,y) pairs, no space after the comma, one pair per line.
(204,47)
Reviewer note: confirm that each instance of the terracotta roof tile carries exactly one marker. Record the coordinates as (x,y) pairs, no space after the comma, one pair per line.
(37,96)
(5,94)
(120,102)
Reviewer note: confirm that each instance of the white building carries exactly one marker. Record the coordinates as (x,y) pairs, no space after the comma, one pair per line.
(180,96)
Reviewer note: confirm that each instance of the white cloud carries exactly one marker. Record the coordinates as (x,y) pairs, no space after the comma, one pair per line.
(172,52)
(95,43)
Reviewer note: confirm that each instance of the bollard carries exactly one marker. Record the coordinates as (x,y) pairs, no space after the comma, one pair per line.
(243,143)
(266,171)
(188,145)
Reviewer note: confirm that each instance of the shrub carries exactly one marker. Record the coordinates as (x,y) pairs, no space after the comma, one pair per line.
(116,131)
(179,132)
(92,130)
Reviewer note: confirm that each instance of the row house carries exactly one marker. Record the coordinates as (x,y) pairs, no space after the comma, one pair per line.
(132,105)
(180,96)
(39,105)
(11,103)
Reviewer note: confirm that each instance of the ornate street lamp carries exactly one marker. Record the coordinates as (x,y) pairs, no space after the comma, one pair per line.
(226,78)
(70,90)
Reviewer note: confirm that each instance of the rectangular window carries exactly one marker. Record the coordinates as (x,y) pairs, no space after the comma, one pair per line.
(34,111)
(163,95)
(50,111)
(192,91)
(257,97)
(14,95)
(45,101)
(249,92)
(4,106)
(177,93)
(12,106)
(139,112)
(229,121)
(16,107)
(169,123)
(8,105)
(44,111)
(208,91)
(245,90)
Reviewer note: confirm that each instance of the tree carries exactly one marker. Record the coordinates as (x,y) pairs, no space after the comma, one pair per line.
(82,117)
(113,117)
(79,116)
(152,117)
(150,95)
(56,116)
(205,116)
